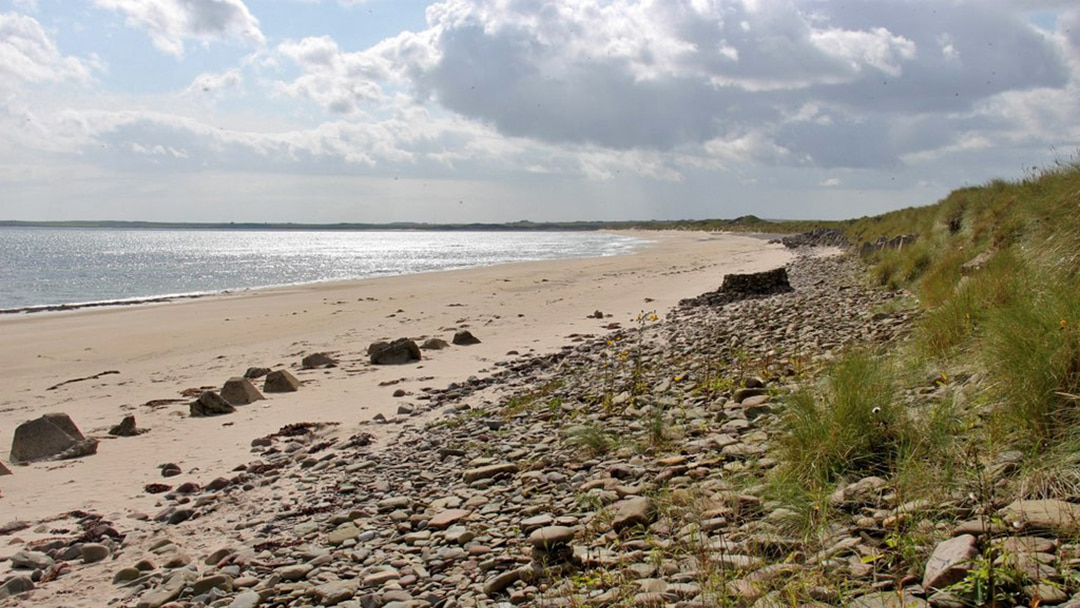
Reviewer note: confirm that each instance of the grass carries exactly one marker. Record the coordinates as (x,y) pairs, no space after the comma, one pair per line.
(851,426)
(591,438)
(1032,348)
(993,365)
(1012,324)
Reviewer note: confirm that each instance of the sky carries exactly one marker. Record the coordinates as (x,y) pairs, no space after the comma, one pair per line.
(544,110)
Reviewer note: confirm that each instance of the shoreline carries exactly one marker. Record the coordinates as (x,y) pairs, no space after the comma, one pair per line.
(642,243)
(163,350)
(341,502)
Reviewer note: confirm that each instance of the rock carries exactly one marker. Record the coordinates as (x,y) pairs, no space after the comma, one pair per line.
(213,581)
(743,394)
(491,470)
(500,582)
(737,287)
(947,599)
(179,516)
(280,381)
(334,592)
(4,470)
(31,560)
(16,585)
(398,352)
(294,572)
(126,575)
(240,391)
(884,242)
(256,372)
(381,577)
(819,237)
(218,483)
(550,537)
(393,503)
(636,511)
(126,428)
(1044,594)
(168,592)
(445,519)
(888,599)
(977,263)
(1053,515)
(316,360)
(210,404)
(246,599)
(53,436)
(94,552)
(434,344)
(343,533)
(465,338)
(950,562)
(597,314)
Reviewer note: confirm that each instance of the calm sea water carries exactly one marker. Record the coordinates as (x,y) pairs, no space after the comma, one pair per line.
(42,267)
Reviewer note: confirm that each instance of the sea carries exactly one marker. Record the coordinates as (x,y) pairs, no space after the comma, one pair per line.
(50,268)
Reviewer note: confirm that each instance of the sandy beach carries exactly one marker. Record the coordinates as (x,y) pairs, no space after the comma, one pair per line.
(161,350)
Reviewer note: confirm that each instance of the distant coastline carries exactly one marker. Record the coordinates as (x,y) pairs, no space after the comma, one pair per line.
(289,226)
(746,223)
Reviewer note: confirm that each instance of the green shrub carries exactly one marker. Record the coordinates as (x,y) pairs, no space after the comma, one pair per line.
(852,426)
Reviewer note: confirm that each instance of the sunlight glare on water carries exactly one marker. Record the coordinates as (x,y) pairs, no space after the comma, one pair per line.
(54,266)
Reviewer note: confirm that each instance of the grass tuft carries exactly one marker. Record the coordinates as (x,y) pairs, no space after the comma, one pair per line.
(852,426)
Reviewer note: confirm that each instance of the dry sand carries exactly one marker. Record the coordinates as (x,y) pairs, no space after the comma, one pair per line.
(160,350)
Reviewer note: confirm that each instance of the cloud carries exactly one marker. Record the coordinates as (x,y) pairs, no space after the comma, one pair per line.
(214,84)
(717,82)
(344,83)
(170,22)
(28,55)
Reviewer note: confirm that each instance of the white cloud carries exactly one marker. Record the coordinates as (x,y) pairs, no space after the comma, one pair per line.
(344,83)
(170,22)
(604,95)
(214,84)
(27,54)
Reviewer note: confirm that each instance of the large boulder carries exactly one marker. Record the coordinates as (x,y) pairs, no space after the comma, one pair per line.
(737,287)
(53,436)
(240,391)
(465,338)
(402,350)
(210,404)
(316,360)
(757,283)
(434,344)
(281,381)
